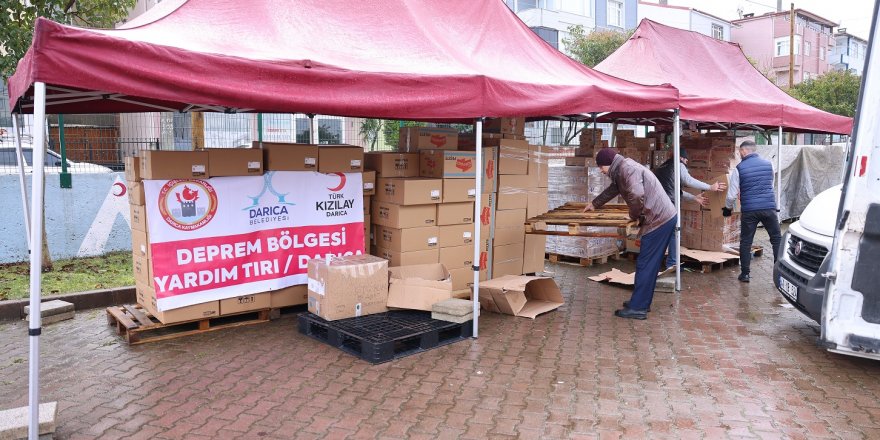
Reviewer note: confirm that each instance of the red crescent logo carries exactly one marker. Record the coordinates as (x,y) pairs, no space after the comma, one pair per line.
(341,183)
(122,189)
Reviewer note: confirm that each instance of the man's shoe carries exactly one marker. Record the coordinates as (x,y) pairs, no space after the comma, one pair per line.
(631,314)
(744,277)
(626,305)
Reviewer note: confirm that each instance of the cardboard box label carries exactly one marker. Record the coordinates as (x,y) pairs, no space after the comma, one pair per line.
(310,161)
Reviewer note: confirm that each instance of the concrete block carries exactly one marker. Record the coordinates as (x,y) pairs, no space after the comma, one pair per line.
(665,284)
(454,307)
(54,307)
(452,318)
(54,318)
(14,422)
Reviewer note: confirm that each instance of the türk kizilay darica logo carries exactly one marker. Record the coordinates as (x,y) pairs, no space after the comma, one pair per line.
(187,205)
(336,204)
(270,212)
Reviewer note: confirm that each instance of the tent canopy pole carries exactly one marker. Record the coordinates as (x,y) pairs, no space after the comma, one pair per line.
(676,146)
(39,155)
(478,188)
(779,173)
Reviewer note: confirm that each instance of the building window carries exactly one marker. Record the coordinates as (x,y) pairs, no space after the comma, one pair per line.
(808,48)
(615,13)
(717,31)
(551,36)
(782,49)
(522,5)
(329,130)
(578,7)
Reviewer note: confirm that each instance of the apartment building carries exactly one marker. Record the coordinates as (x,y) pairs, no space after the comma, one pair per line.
(685,18)
(849,52)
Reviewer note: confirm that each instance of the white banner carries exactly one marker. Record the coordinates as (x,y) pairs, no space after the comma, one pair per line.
(229,236)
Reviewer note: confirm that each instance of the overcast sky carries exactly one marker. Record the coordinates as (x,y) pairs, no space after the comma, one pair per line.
(854,15)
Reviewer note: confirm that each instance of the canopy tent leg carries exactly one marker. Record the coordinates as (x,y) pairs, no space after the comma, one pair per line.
(39,155)
(19,158)
(676,146)
(313,129)
(478,134)
(779,173)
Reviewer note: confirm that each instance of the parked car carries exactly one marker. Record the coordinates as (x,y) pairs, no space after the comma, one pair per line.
(9,164)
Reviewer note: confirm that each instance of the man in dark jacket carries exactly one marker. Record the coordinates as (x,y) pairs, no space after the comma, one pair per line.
(647,203)
(666,175)
(752,181)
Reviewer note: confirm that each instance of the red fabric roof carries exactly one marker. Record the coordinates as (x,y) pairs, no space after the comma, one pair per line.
(715,81)
(429,60)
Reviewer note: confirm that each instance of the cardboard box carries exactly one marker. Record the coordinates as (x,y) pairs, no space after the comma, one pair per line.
(691,206)
(659,157)
(510,218)
(396,258)
(510,183)
(162,165)
(409,191)
(506,235)
(369,179)
(512,198)
(142,268)
(457,257)
(346,287)
(407,240)
(489,168)
(456,235)
(538,203)
(340,159)
(463,278)
(455,213)
(447,164)
(507,260)
(368,202)
(539,165)
(235,162)
(146,296)
(245,303)
(402,217)
(133,169)
(393,164)
(691,220)
(278,156)
(368,234)
(533,253)
(717,199)
(289,296)
(135,192)
(424,138)
(418,287)
(514,126)
(513,157)
(140,244)
(138,217)
(459,190)
(522,295)
(692,239)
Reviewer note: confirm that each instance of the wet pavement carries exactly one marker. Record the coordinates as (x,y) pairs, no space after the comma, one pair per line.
(722,360)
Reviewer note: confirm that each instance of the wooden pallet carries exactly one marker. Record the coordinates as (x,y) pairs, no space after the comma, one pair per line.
(572,215)
(137,326)
(581,261)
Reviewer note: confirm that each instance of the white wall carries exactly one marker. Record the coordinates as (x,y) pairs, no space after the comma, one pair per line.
(673,17)
(703,24)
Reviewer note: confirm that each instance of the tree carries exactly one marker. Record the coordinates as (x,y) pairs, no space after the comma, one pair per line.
(369,132)
(591,49)
(19,16)
(392,131)
(836,91)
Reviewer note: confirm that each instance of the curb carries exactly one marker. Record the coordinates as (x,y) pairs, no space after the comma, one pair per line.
(14,309)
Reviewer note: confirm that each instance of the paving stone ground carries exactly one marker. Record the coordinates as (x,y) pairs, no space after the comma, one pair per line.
(722,360)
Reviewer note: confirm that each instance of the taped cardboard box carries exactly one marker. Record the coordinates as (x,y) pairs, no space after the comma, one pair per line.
(409,191)
(235,162)
(132,169)
(457,257)
(445,164)
(533,253)
(369,179)
(413,139)
(692,239)
(463,278)
(340,159)
(140,244)
(515,126)
(522,296)
(368,204)
(393,164)
(368,233)
(142,268)
(161,165)
(512,198)
(507,235)
(717,199)
(346,287)
(418,287)
(538,202)
(146,297)
(138,217)
(507,260)
(278,156)
(135,192)
(407,240)
(511,183)
(401,217)
(289,296)
(455,213)
(456,235)
(459,190)
(539,165)
(245,303)
(396,258)
(510,218)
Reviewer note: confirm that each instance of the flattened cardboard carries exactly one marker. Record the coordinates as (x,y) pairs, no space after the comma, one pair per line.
(707,256)
(455,213)
(369,178)
(409,191)
(396,258)
(522,296)
(455,235)
(457,257)
(418,287)
(340,159)
(133,169)
(533,253)
(235,162)
(402,217)
(164,164)
(423,138)
(616,276)
(245,303)
(408,240)
(346,287)
(393,164)
(448,164)
(279,156)
(459,190)
(289,296)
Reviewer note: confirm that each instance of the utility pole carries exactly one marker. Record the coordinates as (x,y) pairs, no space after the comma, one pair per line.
(791,50)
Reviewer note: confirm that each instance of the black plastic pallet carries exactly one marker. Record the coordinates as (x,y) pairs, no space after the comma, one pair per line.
(385,336)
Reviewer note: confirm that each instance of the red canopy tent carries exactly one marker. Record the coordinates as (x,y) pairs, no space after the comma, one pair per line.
(453,60)
(716,82)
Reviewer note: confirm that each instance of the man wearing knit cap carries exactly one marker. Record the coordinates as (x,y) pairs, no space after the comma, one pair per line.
(649,204)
